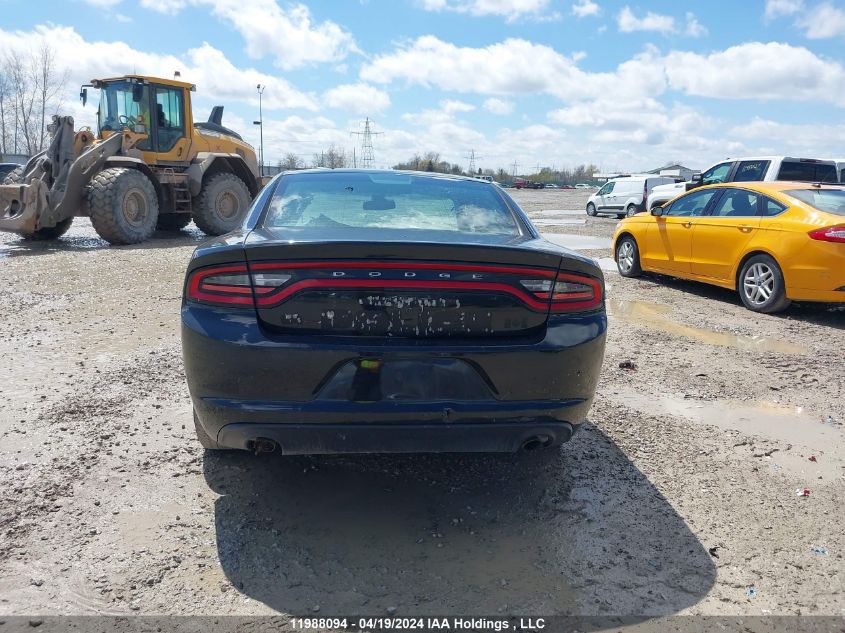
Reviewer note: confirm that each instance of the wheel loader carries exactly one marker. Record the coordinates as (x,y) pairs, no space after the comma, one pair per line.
(148,167)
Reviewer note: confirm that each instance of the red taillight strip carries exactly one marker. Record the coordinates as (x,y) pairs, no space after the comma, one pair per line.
(581,300)
(480,268)
(410,284)
(197,290)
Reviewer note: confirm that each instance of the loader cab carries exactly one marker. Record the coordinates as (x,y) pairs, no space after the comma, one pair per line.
(159,108)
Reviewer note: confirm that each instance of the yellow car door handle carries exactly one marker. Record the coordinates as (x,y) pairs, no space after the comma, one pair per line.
(687,224)
(744,228)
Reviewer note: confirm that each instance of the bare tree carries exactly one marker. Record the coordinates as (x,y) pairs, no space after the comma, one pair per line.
(291,161)
(30,96)
(5,111)
(333,157)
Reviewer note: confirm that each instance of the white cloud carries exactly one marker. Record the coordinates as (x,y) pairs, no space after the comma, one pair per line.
(757,70)
(289,35)
(357,98)
(102,4)
(824,21)
(777,8)
(772,137)
(450,106)
(498,106)
(584,8)
(694,28)
(510,9)
(628,22)
(206,66)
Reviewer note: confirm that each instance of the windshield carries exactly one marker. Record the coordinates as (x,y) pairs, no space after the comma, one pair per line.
(827,200)
(391,200)
(123,104)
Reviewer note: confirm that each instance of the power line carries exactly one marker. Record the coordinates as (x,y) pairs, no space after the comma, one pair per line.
(472,158)
(367,155)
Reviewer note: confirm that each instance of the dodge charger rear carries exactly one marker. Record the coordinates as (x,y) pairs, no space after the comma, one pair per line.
(378,311)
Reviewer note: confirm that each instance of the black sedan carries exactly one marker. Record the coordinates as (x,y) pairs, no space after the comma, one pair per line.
(386,311)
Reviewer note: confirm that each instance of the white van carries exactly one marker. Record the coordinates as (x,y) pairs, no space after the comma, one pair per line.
(625,196)
(840,167)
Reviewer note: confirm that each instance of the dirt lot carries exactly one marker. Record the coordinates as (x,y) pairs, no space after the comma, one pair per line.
(679,496)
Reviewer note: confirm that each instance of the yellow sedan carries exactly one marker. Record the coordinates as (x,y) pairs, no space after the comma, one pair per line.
(773,242)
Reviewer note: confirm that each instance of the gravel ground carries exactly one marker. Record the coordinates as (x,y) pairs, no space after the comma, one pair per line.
(679,495)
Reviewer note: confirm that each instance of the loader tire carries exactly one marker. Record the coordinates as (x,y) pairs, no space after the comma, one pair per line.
(123,205)
(221,205)
(173,221)
(14,176)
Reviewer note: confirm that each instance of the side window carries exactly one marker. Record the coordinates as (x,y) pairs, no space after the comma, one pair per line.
(606,189)
(772,207)
(737,203)
(716,174)
(751,170)
(807,171)
(168,117)
(842,176)
(692,204)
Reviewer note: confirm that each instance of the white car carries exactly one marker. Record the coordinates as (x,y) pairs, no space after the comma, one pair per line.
(751,169)
(582,185)
(624,196)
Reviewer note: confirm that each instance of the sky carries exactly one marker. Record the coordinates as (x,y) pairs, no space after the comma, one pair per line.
(625,85)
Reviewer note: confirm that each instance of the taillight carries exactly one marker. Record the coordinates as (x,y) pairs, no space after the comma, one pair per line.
(568,293)
(221,285)
(830,234)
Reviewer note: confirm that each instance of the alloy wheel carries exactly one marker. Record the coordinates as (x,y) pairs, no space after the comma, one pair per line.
(758,284)
(625,256)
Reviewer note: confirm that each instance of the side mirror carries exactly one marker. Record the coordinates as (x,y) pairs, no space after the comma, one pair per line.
(657,211)
(83,96)
(696,178)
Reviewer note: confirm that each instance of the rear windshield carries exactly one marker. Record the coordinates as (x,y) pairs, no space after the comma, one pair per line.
(807,172)
(827,200)
(339,201)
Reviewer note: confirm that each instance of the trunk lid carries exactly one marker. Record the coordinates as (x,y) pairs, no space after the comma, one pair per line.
(400,289)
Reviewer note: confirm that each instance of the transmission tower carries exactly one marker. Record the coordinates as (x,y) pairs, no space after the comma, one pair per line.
(367,158)
(472,158)
(513,169)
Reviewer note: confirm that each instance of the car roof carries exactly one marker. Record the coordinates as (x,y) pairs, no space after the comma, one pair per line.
(377,172)
(777,185)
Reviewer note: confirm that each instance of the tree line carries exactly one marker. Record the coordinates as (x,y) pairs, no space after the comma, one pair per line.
(31,86)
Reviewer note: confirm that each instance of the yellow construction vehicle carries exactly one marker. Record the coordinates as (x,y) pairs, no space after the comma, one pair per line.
(148,167)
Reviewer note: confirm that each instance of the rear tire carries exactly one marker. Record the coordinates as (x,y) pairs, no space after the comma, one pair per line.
(222,204)
(591,210)
(631,210)
(204,438)
(761,286)
(173,221)
(628,257)
(123,205)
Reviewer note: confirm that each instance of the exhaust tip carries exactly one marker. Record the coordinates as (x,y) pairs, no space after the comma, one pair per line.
(536,442)
(261,445)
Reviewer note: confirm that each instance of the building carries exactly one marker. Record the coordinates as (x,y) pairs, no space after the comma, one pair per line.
(675,171)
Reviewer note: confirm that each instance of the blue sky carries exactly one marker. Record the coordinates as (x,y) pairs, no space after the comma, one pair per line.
(625,85)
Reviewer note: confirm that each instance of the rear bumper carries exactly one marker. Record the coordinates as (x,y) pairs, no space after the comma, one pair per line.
(314,439)
(246,384)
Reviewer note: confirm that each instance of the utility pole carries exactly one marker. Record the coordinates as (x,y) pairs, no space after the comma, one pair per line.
(472,158)
(260,124)
(515,165)
(367,156)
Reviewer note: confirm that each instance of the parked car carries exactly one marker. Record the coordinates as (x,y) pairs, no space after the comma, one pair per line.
(751,169)
(582,185)
(773,242)
(567,186)
(551,185)
(624,196)
(381,311)
(6,168)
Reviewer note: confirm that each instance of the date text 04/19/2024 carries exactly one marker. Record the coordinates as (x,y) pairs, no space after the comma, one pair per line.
(430,623)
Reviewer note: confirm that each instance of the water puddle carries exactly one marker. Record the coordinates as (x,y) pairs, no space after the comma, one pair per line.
(577,242)
(556,212)
(544,222)
(654,315)
(771,420)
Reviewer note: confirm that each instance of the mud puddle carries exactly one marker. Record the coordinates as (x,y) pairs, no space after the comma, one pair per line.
(811,432)
(654,315)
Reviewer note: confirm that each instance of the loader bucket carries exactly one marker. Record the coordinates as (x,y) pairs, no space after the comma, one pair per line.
(22,205)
